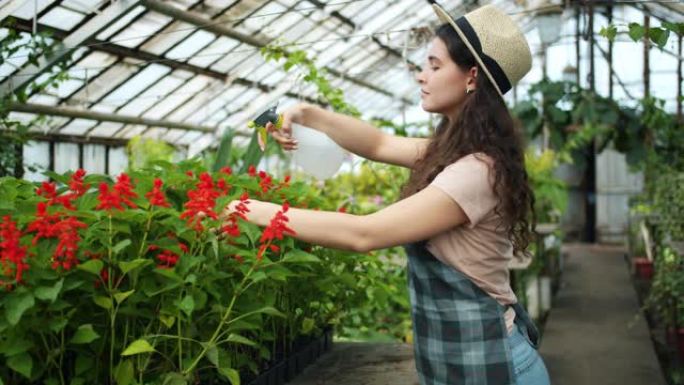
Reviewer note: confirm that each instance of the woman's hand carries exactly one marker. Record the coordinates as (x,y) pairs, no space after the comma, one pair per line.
(260,213)
(283,136)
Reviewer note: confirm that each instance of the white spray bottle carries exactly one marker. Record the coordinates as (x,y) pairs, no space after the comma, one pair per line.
(317,154)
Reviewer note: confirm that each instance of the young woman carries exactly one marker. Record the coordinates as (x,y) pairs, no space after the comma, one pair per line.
(463,213)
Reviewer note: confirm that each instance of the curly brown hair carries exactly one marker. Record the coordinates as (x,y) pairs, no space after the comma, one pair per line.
(483,125)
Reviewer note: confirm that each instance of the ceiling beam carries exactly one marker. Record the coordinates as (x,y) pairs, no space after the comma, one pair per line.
(77,113)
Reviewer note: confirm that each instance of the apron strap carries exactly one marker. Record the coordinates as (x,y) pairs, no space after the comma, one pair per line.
(522,316)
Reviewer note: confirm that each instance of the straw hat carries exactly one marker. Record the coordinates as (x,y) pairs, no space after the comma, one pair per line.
(497,43)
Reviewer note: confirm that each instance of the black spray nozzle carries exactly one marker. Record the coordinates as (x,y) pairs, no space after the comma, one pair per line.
(269,115)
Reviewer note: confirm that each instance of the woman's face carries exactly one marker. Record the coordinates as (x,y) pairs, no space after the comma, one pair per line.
(442,83)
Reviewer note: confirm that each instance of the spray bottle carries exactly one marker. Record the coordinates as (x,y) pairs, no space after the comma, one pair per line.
(317,154)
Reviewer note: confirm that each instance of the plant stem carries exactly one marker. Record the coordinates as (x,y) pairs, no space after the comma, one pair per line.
(147,231)
(112,314)
(217,332)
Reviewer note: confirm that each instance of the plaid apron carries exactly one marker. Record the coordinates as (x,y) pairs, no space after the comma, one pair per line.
(459,331)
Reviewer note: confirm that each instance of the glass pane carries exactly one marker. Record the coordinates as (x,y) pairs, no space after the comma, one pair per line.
(78,127)
(168,36)
(136,84)
(61,18)
(123,21)
(66,157)
(189,46)
(213,52)
(28,10)
(174,100)
(118,161)
(153,95)
(106,129)
(94,158)
(140,30)
(36,160)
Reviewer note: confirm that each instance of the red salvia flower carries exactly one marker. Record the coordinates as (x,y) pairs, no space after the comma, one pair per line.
(241,209)
(275,230)
(226,170)
(49,190)
(44,224)
(76,184)
(12,253)
(251,171)
(65,253)
(201,203)
(156,196)
(184,247)
(108,200)
(167,258)
(266,181)
(125,190)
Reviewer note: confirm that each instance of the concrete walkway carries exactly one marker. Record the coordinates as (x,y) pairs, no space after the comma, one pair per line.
(351,363)
(595,333)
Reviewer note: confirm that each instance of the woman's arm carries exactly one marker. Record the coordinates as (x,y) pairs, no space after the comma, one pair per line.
(418,217)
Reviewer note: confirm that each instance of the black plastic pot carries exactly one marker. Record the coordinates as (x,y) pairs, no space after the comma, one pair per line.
(305,351)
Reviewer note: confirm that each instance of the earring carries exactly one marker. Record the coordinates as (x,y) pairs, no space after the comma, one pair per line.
(469,90)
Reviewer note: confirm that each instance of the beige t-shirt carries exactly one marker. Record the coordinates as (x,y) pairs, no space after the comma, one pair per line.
(477,248)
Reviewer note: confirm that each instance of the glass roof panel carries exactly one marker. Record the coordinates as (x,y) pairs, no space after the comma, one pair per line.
(173,101)
(121,22)
(78,127)
(28,10)
(136,84)
(106,129)
(212,53)
(130,131)
(151,96)
(195,42)
(140,30)
(62,18)
(168,36)
(258,22)
(107,81)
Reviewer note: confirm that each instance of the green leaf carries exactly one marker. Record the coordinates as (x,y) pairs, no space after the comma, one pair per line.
(102,301)
(120,297)
(300,256)
(231,374)
(128,266)
(14,344)
(138,347)
(253,154)
(167,320)
(94,266)
(21,363)
(84,335)
(609,32)
(121,245)
(83,363)
(240,340)
(659,36)
(307,325)
(47,293)
(213,355)
(187,305)
(16,305)
(174,379)
(636,31)
(124,373)
(223,151)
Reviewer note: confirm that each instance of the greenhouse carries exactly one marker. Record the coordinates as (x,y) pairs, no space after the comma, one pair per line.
(385,192)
